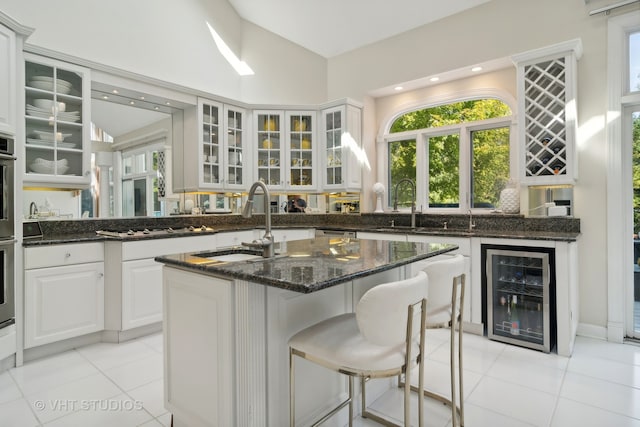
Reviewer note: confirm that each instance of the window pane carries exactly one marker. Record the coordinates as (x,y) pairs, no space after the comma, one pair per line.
(490,166)
(444,173)
(140,197)
(634,62)
(402,164)
(451,114)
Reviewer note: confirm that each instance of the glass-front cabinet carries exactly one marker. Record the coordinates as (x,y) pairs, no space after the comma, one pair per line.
(301,152)
(57,119)
(222,146)
(286,149)
(270,147)
(343,158)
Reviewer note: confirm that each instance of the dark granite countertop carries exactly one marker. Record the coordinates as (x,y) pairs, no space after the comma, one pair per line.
(312,264)
(491,226)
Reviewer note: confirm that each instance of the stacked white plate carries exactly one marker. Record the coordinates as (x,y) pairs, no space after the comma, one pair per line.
(46,83)
(67,116)
(47,139)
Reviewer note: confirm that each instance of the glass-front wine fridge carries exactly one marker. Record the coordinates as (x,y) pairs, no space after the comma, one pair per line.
(520,302)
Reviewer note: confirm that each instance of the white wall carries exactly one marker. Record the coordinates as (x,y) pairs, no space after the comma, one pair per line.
(170,41)
(494,30)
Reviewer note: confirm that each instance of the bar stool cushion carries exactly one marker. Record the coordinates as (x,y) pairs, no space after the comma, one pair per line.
(370,341)
(439,292)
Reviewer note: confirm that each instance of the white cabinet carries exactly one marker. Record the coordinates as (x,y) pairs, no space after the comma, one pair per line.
(141,293)
(286,149)
(133,290)
(214,150)
(343,157)
(58,123)
(225,240)
(7,80)
(547,109)
(63,292)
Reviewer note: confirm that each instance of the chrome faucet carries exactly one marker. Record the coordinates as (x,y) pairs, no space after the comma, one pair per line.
(266,243)
(472,224)
(33,210)
(413,199)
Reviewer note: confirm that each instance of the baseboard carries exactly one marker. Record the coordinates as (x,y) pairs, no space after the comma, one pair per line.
(592,331)
(44,350)
(122,336)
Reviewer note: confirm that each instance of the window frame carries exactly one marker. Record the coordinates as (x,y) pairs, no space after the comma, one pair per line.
(149,175)
(464,131)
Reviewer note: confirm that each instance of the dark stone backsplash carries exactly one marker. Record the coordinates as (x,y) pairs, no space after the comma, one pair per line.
(367,220)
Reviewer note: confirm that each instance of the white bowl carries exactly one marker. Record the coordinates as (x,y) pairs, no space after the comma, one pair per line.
(48,169)
(49,163)
(49,105)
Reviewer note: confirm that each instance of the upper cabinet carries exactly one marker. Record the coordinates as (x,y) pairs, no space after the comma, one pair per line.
(12,36)
(547,105)
(214,148)
(286,149)
(342,155)
(7,80)
(57,123)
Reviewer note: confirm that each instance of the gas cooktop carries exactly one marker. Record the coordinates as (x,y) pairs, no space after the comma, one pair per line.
(153,232)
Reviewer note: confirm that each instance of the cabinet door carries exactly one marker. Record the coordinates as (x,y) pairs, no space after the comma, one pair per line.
(269,130)
(342,156)
(141,293)
(63,302)
(58,149)
(211,140)
(7,80)
(301,149)
(236,153)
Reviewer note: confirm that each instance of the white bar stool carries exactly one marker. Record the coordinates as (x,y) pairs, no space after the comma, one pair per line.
(379,340)
(445,304)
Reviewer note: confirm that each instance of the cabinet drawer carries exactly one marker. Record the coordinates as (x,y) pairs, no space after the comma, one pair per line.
(58,255)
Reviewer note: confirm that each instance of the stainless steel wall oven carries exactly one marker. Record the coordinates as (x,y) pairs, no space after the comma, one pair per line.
(7,231)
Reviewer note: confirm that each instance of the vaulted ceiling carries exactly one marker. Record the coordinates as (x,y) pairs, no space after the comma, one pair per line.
(332,27)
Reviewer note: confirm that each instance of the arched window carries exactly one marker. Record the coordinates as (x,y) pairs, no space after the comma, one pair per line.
(458,154)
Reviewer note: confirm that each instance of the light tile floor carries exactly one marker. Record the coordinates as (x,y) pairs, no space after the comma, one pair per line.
(121,385)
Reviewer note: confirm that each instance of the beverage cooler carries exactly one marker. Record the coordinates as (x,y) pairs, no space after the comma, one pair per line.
(520,295)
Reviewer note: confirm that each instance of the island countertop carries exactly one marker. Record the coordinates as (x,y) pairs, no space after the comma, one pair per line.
(310,265)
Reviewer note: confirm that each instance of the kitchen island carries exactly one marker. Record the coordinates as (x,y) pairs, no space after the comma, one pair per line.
(228,318)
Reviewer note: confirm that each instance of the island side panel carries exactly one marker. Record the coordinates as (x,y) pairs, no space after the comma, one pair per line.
(198,329)
(316,388)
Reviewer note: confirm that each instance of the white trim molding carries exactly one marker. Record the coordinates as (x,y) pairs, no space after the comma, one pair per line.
(619,203)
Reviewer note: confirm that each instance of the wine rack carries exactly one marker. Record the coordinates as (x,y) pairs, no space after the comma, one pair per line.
(545,119)
(547,113)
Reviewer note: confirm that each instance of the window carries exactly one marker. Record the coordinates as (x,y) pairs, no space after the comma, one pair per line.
(458,154)
(142,182)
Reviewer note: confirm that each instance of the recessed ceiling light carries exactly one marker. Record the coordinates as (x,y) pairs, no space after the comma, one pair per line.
(115,91)
(142,98)
(105,97)
(132,103)
(168,103)
(398,88)
(156,108)
(476,69)
(434,79)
